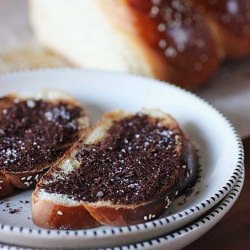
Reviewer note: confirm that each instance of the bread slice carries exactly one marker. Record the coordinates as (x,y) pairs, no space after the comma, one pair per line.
(126,169)
(35,133)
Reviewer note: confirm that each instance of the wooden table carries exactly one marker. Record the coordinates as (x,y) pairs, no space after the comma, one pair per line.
(233,231)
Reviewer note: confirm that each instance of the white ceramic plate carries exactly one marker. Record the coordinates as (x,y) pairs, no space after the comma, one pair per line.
(187,235)
(221,153)
(184,236)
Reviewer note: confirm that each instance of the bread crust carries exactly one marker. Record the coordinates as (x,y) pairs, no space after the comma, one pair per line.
(121,215)
(9,181)
(48,214)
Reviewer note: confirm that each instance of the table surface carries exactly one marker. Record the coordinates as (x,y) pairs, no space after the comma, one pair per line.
(233,231)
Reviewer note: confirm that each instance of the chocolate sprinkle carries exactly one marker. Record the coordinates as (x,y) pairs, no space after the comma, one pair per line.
(14,210)
(137,162)
(35,132)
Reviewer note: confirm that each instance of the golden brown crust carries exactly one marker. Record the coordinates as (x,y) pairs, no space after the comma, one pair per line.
(189,61)
(48,214)
(6,186)
(129,215)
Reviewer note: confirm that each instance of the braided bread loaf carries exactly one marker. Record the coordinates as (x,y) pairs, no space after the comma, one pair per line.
(180,41)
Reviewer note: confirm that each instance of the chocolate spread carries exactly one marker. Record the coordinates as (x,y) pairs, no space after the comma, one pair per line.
(34,132)
(136,162)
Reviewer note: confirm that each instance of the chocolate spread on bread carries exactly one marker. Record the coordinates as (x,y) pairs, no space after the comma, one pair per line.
(138,161)
(35,132)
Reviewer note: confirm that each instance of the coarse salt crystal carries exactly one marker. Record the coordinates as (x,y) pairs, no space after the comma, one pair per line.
(30,103)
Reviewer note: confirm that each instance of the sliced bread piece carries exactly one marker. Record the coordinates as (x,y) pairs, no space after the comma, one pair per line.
(126,169)
(35,133)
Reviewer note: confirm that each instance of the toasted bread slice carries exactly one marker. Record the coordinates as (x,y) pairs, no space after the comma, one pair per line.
(126,169)
(35,133)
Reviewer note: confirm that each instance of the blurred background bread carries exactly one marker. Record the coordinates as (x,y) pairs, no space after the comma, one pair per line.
(182,42)
(228,88)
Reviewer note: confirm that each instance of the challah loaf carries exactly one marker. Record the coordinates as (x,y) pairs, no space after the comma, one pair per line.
(180,41)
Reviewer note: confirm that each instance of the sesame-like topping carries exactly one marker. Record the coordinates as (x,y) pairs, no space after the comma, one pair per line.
(170,52)
(162,27)
(151,216)
(27,183)
(59,213)
(37,177)
(168,202)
